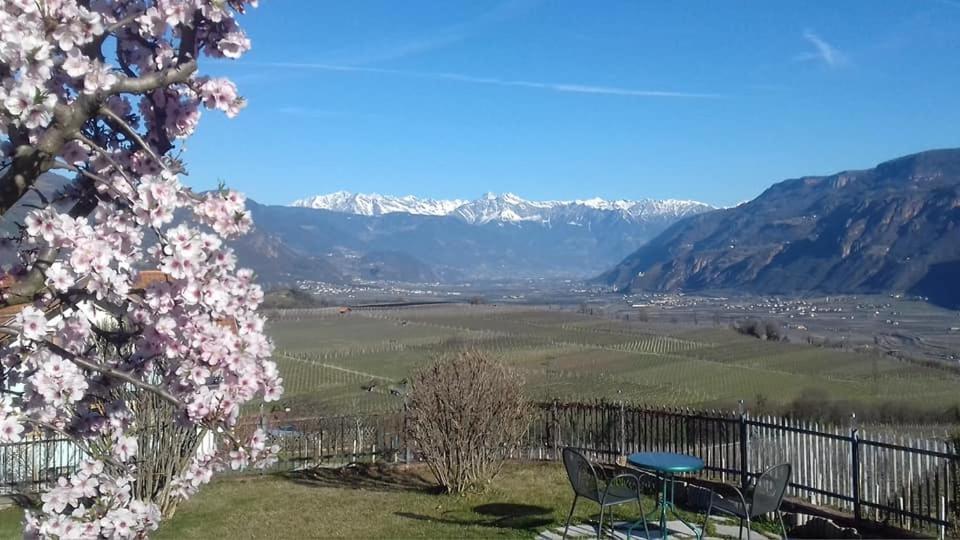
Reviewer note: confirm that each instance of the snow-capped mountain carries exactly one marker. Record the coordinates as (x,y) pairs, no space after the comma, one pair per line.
(502,236)
(376,205)
(506,207)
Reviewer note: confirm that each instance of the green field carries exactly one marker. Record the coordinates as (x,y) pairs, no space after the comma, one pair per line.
(328,360)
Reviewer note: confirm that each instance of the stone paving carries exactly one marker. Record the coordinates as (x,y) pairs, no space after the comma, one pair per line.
(676,531)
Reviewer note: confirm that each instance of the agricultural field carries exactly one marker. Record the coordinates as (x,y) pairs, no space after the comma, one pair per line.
(360,361)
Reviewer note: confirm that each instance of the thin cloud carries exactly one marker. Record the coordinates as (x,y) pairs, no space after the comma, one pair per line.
(309,112)
(492,81)
(822,51)
(431,40)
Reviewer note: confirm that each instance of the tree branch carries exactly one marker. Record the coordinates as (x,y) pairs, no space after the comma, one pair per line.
(132,133)
(148,83)
(104,370)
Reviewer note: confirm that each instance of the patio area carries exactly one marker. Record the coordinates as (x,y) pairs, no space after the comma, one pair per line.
(676,530)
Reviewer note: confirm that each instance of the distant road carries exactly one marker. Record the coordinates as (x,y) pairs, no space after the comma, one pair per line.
(405,304)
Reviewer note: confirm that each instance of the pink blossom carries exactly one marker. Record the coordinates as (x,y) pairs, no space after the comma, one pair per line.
(33,323)
(98,77)
(125,448)
(10,430)
(59,277)
(233,45)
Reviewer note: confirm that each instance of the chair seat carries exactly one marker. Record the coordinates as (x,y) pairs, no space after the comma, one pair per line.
(731,506)
(618,493)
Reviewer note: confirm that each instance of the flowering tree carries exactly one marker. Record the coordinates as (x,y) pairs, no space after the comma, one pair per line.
(106,91)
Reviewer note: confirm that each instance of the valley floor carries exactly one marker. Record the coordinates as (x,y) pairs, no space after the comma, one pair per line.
(354,362)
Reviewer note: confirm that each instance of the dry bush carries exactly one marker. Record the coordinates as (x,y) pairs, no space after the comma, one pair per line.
(165,443)
(466,412)
(166,446)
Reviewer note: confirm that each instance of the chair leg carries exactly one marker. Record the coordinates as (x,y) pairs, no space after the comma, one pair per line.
(600,524)
(783,528)
(570,515)
(749,529)
(706,518)
(740,534)
(643,516)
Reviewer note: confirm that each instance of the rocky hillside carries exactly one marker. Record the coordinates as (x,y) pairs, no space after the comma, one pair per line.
(893,228)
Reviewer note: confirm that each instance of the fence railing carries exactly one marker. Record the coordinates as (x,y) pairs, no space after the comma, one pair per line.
(32,465)
(907,482)
(913,483)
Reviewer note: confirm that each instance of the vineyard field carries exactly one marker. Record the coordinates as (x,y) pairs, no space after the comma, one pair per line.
(362,360)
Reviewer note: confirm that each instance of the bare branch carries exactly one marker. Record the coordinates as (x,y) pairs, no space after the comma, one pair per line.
(128,129)
(106,155)
(121,23)
(148,83)
(188,40)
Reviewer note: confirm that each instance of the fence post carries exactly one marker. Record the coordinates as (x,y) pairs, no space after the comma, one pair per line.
(942,514)
(407,455)
(855,466)
(744,444)
(953,493)
(623,432)
(555,428)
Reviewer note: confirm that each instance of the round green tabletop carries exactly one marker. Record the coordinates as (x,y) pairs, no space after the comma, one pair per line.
(665,462)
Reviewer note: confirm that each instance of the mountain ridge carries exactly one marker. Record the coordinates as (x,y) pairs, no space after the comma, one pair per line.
(891,228)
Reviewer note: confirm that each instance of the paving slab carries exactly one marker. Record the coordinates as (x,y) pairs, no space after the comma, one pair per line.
(676,530)
(734,531)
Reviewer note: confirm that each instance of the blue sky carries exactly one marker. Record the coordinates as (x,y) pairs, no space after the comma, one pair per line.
(709,100)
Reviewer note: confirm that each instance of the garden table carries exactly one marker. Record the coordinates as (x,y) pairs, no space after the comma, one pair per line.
(667,465)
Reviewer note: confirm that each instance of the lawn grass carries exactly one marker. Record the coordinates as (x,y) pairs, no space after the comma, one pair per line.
(382,502)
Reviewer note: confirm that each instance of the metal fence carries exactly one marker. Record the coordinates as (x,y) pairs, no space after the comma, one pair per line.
(32,465)
(884,477)
(907,482)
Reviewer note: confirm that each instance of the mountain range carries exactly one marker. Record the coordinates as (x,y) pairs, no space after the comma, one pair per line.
(344,236)
(506,207)
(894,228)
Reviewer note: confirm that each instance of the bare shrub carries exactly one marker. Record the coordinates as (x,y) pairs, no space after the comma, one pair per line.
(165,442)
(466,412)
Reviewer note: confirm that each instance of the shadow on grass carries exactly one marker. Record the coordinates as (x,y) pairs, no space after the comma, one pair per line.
(495,515)
(363,476)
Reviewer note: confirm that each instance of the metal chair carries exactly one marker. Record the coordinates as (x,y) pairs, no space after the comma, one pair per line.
(602,486)
(764,497)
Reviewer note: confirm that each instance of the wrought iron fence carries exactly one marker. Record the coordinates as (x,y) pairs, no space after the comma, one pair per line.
(34,464)
(908,482)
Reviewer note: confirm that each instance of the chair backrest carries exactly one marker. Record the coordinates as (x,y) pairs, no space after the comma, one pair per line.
(770,489)
(583,477)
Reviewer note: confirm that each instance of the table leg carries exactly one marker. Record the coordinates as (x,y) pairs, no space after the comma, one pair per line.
(663,509)
(673,509)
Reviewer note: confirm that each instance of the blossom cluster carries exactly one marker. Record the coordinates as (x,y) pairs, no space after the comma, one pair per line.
(106,90)
(49,54)
(100,505)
